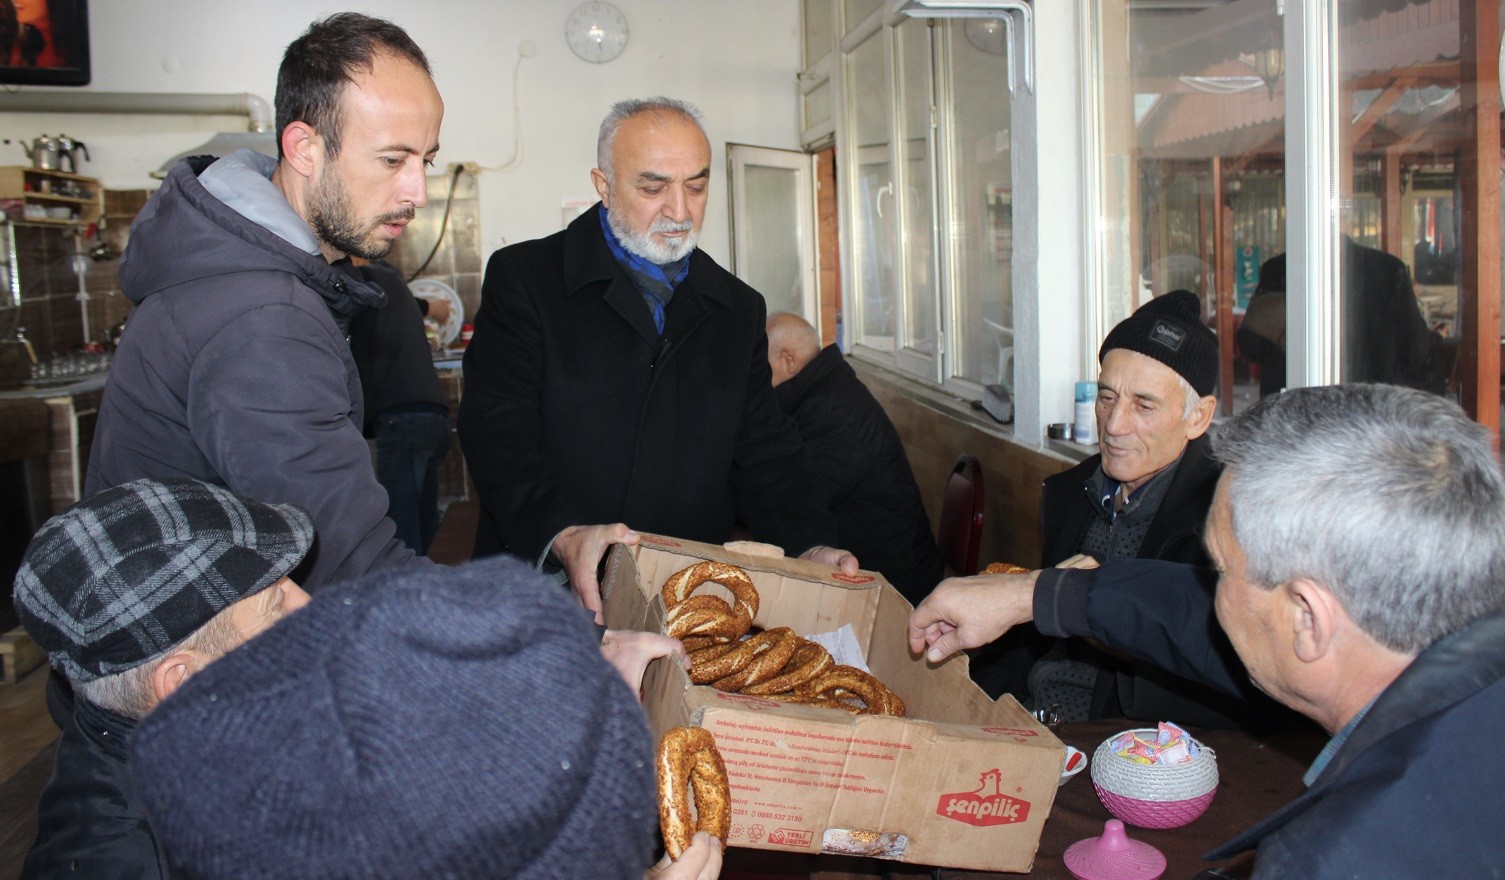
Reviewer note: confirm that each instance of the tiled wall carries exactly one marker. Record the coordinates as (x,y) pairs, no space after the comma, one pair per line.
(50,310)
(458,262)
(54,322)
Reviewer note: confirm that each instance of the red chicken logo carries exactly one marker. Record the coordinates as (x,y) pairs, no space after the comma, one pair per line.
(987,805)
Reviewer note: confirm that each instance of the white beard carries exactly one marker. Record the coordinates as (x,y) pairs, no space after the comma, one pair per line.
(644,245)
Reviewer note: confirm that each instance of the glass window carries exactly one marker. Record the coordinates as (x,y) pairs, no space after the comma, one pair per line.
(773,198)
(874,245)
(820,29)
(1191,122)
(857,10)
(817,106)
(918,226)
(1411,188)
(980,210)
(931,198)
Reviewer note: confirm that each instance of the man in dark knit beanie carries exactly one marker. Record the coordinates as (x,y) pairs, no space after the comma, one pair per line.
(423,723)
(1144,495)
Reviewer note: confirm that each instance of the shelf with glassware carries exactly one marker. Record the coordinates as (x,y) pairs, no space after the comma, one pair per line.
(40,195)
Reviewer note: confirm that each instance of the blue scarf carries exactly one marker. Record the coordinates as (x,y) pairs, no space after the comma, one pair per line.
(654,281)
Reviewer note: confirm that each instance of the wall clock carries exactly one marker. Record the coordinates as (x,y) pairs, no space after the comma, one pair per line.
(596,31)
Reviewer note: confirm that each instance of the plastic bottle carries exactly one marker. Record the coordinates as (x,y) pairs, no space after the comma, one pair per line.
(1084,417)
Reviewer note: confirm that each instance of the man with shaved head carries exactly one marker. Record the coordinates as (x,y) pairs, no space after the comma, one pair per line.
(865,476)
(618,377)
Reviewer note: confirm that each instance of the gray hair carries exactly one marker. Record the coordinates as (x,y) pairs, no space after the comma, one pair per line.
(625,110)
(1389,497)
(1192,398)
(129,693)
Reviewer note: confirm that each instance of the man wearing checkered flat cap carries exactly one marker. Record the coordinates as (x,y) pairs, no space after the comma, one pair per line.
(131,592)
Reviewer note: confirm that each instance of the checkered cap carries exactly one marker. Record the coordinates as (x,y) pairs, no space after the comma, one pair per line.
(121,577)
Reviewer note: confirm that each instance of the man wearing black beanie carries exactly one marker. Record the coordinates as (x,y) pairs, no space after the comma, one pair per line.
(1144,495)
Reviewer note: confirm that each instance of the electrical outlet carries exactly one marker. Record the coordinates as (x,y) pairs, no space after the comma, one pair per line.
(465,167)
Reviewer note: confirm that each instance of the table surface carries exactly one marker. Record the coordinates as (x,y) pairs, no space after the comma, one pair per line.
(1257,776)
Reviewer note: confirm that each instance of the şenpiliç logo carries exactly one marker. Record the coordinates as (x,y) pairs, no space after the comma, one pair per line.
(987,805)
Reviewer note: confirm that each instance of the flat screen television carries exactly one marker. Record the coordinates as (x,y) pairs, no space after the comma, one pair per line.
(44,42)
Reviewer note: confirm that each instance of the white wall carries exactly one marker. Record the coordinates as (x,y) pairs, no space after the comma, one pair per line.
(735,59)
(1050,292)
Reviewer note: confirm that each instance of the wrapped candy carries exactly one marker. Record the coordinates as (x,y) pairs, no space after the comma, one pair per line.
(1168,745)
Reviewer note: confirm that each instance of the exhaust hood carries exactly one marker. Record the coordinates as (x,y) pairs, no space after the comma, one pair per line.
(257,136)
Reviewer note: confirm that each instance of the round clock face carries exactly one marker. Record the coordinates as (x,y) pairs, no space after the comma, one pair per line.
(596,31)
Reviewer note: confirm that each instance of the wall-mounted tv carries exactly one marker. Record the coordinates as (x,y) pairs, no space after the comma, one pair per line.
(44,42)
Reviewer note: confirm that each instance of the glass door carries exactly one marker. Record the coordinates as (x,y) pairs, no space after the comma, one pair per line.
(773,227)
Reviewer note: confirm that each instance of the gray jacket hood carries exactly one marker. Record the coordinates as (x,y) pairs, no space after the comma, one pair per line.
(223,217)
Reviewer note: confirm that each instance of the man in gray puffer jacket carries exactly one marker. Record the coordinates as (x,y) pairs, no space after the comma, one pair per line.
(235,367)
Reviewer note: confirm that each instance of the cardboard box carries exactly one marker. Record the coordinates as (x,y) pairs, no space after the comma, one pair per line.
(962,782)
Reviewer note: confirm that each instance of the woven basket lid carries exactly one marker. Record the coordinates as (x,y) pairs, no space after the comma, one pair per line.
(1154,782)
(1113,856)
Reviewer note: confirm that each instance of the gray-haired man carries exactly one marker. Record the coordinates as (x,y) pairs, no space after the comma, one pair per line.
(619,375)
(1359,537)
(131,592)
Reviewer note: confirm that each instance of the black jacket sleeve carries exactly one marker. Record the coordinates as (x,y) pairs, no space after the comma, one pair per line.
(501,419)
(1160,612)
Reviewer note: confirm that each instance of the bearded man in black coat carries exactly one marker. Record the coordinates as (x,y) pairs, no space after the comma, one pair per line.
(618,378)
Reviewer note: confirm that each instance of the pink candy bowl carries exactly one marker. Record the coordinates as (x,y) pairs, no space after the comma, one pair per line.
(1154,814)
(1154,795)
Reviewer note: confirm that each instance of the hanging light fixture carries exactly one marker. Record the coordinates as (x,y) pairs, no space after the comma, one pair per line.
(1270,64)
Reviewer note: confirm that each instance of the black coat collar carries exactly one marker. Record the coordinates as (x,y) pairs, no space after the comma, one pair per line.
(793,392)
(588,262)
(109,731)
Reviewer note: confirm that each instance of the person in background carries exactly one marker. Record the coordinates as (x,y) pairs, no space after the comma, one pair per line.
(1385,336)
(450,722)
(619,377)
(1358,534)
(234,368)
(403,401)
(867,480)
(131,592)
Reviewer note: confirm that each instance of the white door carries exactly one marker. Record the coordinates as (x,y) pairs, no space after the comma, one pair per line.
(773,227)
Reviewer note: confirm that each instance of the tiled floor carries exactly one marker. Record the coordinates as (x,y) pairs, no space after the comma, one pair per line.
(27,741)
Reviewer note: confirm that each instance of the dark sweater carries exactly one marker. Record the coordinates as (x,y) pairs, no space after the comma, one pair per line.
(391,351)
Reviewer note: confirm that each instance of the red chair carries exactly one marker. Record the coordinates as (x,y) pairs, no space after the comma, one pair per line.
(960,536)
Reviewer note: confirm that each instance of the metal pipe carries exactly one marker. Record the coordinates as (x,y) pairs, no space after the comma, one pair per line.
(254,107)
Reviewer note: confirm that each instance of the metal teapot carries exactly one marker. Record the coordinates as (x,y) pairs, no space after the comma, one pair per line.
(44,152)
(67,153)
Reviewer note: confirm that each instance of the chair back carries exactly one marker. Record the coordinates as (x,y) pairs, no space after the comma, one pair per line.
(960,536)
